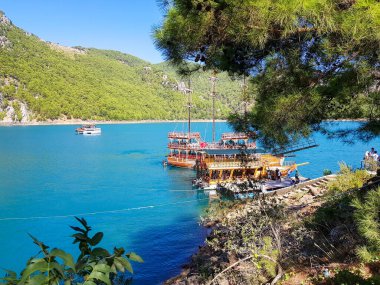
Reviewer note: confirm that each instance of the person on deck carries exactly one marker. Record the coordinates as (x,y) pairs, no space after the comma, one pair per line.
(297,177)
(278,174)
(269,175)
(375,156)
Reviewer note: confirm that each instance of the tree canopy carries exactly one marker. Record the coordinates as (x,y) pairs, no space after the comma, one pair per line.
(310,60)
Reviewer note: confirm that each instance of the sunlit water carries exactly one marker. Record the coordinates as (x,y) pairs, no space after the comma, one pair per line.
(48,171)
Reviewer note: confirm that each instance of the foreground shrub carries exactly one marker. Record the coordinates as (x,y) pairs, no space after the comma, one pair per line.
(346,277)
(95,265)
(367,218)
(348,179)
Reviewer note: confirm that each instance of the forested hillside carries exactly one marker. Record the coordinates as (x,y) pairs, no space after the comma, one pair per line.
(41,81)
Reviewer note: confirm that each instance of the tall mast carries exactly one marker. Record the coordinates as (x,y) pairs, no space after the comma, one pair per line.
(189,106)
(213,95)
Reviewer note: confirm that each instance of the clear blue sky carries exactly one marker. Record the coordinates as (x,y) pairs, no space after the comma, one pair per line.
(124,25)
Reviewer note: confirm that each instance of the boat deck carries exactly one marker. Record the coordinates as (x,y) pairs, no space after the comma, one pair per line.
(275,187)
(309,185)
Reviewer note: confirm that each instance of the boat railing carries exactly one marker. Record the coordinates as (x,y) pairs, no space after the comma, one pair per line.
(192,146)
(304,144)
(288,163)
(235,164)
(251,145)
(182,135)
(183,157)
(227,146)
(230,136)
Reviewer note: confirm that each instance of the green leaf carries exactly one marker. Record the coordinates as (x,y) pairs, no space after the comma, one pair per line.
(134,257)
(104,268)
(119,266)
(100,276)
(39,243)
(66,257)
(11,273)
(127,265)
(98,251)
(67,282)
(80,237)
(81,264)
(79,220)
(78,229)
(38,280)
(41,266)
(114,269)
(96,239)
(89,282)
(118,251)
(58,267)
(84,223)
(10,276)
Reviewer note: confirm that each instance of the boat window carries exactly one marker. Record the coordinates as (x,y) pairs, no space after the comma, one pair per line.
(214,174)
(226,174)
(238,173)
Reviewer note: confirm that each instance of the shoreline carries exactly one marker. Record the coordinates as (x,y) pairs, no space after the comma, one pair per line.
(84,122)
(292,256)
(126,122)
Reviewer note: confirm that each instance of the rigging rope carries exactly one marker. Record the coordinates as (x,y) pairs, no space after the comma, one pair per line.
(205,133)
(99,212)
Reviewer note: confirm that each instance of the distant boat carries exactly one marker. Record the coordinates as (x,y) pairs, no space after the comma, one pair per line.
(88,130)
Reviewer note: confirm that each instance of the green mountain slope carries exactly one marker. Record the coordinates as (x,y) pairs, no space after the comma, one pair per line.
(41,81)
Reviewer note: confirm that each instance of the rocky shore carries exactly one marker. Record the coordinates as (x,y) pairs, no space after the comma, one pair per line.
(283,238)
(82,122)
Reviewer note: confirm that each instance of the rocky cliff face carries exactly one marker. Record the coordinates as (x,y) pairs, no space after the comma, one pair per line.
(4,42)
(4,20)
(5,24)
(11,110)
(14,112)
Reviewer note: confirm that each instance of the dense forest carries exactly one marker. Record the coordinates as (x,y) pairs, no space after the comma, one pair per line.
(49,81)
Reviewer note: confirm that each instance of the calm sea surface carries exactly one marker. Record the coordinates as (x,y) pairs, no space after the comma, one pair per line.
(48,171)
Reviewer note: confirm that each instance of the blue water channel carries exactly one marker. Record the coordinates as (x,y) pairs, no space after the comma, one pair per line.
(48,174)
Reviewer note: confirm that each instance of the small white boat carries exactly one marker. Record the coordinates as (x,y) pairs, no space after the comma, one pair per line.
(88,130)
(92,131)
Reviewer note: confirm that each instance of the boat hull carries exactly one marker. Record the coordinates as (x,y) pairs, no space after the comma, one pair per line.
(92,132)
(181,162)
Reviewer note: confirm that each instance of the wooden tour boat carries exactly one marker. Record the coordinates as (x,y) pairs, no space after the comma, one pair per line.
(184,149)
(242,172)
(233,164)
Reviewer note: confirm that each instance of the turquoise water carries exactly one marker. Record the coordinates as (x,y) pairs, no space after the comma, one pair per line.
(48,171)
